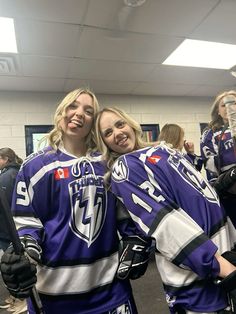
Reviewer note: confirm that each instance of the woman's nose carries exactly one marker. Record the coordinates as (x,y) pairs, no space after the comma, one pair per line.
(79,112)
(117,132)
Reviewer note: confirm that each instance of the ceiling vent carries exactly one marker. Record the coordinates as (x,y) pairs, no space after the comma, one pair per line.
(7,65)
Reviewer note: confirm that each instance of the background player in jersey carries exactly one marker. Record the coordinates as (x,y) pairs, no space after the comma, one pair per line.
(67,221)
(219,155)
(173,134)
(170,201)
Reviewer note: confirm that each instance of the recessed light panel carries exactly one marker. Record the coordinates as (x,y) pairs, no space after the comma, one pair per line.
(7,35)
(134,3)
(203,54)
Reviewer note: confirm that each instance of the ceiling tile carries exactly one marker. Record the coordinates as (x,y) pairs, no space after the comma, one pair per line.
(188,75)
(114,49)
(156,17)
(49,39)
(100,44)
(108,70)
(102,87)
(208,90)
(31,84)
(67,11)
(45,66)
(162,89)
(219,25)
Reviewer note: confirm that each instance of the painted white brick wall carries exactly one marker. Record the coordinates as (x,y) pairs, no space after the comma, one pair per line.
(18,109)
(188,112)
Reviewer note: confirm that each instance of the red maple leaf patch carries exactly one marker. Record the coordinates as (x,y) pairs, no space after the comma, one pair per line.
(61,173)
(154,159)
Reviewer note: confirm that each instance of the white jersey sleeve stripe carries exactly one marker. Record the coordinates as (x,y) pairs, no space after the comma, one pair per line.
(64,279)
(21,222)
(174,275)
(175,222)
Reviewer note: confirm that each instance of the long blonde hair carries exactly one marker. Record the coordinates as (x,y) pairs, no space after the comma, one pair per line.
(108,155)
(171,134)
(54,138)
(216,120)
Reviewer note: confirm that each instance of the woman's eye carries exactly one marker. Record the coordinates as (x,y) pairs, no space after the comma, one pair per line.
(120,124)
(107,133)
(89,112)
(72,106)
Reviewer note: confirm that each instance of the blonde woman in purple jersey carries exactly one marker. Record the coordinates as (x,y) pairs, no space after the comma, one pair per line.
(67,222)
(170,201)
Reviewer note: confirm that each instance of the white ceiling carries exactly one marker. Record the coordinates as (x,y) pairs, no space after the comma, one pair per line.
(114,49)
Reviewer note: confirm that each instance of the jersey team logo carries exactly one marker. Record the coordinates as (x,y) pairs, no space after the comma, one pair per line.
(193,177)
(61,173)
(88,205)
(154,159)
(82,167)
(120,171)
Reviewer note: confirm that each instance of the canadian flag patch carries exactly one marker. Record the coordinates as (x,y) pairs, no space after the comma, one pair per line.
(61,173)
(221,137)
(154,159)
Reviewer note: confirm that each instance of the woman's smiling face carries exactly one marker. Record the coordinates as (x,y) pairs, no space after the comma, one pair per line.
(116,133)
(79,117)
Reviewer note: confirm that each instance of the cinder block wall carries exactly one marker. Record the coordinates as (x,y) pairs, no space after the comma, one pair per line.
(18,109)
(188,112)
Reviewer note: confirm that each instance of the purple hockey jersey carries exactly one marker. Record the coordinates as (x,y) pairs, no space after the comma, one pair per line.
(217,151)
(162,190)
(60,200)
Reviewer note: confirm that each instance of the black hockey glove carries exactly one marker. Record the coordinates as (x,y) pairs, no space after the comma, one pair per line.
(225,182)
(230,256)
(134,256)
(32,249)
(228,283)
(19,271)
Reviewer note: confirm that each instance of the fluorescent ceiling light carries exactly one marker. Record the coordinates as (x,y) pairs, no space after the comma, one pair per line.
(203,54)
(233,71)
(7,35)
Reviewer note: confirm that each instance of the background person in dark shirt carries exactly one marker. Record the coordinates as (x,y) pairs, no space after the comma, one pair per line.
(9,166)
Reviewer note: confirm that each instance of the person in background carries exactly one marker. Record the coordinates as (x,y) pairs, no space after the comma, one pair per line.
(9,165)
(67,221)
(218,154)
(173,134)
(170,201)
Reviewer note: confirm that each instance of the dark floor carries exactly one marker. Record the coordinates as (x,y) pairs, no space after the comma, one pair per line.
(148,293)
(3,295)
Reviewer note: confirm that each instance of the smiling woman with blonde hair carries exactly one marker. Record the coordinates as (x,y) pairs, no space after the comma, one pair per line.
(68,221)
(109,155)
(218,153)
(170,201)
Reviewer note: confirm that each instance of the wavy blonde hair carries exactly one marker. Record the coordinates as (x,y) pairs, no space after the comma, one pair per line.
(54,137)
(108,155)
(171,134)
(216,120)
